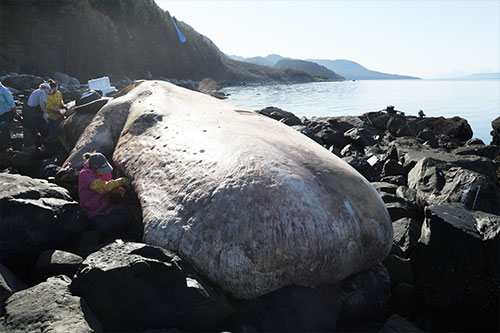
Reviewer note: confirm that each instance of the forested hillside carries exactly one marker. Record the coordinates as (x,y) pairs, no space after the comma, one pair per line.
(133,38)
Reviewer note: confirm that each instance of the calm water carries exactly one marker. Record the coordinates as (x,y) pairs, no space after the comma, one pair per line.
(477,101)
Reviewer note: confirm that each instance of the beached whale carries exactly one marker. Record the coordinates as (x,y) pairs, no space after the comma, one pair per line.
(250,202)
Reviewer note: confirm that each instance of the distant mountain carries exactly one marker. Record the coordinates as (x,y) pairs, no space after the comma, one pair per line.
(353,71)
(274,58)
(480,76)
(310,67)
(348,69)
(268,61)
(254,60)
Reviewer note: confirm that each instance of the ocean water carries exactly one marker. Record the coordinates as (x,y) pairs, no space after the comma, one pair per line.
(477,101)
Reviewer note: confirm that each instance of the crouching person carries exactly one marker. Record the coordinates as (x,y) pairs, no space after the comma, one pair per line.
(94,188)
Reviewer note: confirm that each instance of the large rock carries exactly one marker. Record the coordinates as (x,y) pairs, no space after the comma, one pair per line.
(251,203)
(135,287)
(48,307)
(36,215)
(23,82)
(9,284)
(406,235)
(448,160)
(398,324)
(307,132)
(284,116)
(399,207)
(361,165)
(339,307)
(495,133)
(332,137)
(66,80)
(455,128)
(397,126)
(436,182)
(456,265)
(488,151)
(57,262)
(362,136)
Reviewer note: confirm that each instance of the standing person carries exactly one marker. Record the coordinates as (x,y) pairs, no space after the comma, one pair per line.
(94,188)
(33,113)
(54,106)
(7,114)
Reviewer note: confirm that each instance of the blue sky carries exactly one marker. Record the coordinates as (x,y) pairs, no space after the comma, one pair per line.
(420,38)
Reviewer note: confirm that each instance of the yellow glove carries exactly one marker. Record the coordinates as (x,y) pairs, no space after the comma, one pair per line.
(102,187)
(123,181)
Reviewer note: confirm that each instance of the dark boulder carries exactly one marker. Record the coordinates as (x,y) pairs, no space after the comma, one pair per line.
(135,287)
(392,168)
(359,298)
(427,137)
(36,215)
(406,193)
(48,307)
(402,209)
(343,123)
(23,82)
(332,137)
(488,151)
(456,265)
(362,137)
(385,187)
(376,160)
(66,80)
(426,134)
(456,128)
(365,297)
(474,141)
(397,126)
(405,300)
(56,262)
(495,133)
(307,132)
(436,182)
(398,324)
(447,160)
(301,309)
(406,235)
(363,167)
(350,150)
(399,269)
(399,207)
(281,115)
(396,180)
(376,149)
(377,119)
(9,284)
(28,162)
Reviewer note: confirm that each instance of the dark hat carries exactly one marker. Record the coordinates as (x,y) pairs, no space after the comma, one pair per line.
(99,162)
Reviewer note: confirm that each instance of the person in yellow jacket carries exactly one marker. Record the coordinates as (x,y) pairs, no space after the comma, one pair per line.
(55,107)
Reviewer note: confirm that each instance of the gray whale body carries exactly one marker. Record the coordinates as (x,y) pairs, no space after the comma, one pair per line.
(254,205)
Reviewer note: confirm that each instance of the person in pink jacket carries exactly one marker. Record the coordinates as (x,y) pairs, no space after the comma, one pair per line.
(95,184)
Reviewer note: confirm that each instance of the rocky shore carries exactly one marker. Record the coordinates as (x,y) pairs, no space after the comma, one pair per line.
(440,185)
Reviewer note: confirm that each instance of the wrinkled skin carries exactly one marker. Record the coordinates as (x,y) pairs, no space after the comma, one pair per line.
(251,203)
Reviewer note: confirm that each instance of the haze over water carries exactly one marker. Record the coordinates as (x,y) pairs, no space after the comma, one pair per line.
(478,101)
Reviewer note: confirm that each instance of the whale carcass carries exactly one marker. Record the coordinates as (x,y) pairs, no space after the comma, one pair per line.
(250,202)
